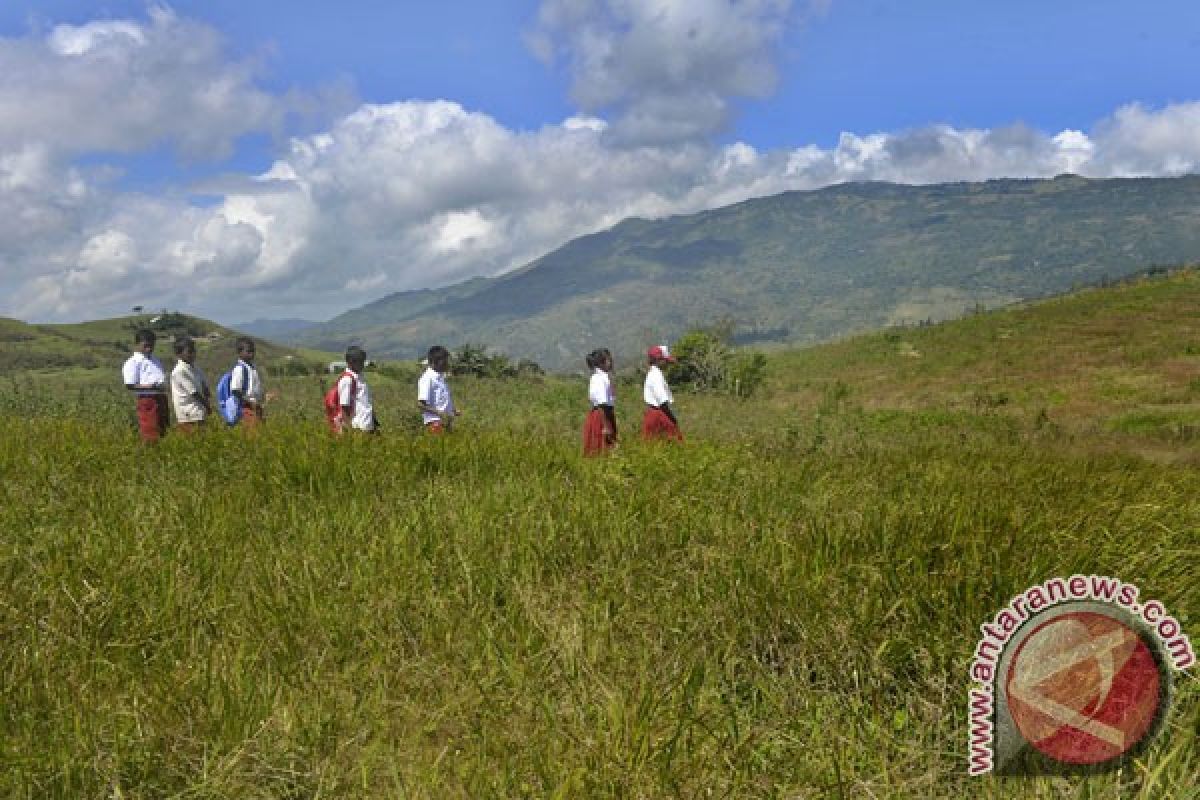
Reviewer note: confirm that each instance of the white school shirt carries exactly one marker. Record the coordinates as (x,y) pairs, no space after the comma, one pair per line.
(364,412)
(141,369)
(244,374)
(655,391)
(187,380)
(600,391)
(435,392)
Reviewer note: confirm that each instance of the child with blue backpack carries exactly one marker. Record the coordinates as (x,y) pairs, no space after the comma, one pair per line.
(240,394)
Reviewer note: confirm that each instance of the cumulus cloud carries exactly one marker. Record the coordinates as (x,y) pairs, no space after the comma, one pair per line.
(665,70)
(67,238)
(1139,141)
(417,194)
(123,86)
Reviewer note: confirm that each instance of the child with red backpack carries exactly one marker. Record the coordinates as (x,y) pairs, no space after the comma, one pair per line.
(348,404)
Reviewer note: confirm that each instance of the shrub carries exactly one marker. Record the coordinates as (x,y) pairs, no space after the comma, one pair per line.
(746,373)
(707,362)
(473,359)
(292,366)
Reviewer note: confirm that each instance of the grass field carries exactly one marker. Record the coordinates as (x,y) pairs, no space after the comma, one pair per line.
(785,606)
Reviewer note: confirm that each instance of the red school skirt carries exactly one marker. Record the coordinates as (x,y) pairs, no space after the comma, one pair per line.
(657,425)
(152,416)
(594,440)
(252,416)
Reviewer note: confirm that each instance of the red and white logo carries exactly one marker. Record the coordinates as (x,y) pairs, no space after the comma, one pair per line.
(1073,675)
(1083,688)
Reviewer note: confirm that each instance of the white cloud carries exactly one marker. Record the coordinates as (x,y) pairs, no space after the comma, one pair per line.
(72,40)
(665,69)
(109,252)
(409,195)
(1141,141)
(458,230)
(123,86)
(1075,149)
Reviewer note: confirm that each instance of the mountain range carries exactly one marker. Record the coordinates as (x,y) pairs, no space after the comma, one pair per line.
(798,267)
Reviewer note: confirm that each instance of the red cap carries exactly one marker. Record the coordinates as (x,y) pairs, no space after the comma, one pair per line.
(660,351)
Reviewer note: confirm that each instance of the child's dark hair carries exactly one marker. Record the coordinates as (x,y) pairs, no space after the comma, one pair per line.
(597,357)
(244,343)
(355,355)
(183,344)
(144,336)
(436,352)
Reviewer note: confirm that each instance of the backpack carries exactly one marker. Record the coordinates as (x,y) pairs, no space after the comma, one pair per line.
(333,406)
(228,403)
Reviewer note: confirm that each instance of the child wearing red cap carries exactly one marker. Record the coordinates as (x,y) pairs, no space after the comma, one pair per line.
(659,420)
(600,429)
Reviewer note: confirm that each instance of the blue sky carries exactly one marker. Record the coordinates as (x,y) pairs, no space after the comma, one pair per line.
(886,66)
(310,156)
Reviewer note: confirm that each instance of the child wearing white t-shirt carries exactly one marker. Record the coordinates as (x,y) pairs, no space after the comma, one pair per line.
(600,427)
(189,388)
(659,420)
(354,396)
(143,375)
(433,393)
(246,384)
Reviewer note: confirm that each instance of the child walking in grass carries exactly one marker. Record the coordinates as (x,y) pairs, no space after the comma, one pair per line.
(433,393)
(246,385)
(144,376)
(189,388)
(600,427)
(354,396)
(659,420)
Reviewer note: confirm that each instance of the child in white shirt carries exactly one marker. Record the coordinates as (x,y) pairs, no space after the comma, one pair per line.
(189,388)
(600,428)
(246,384)
(659,420)
(143,375)
(354,396)
(433,393)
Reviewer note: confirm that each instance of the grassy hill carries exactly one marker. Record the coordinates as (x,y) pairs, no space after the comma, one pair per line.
(799,267)
(1123,359)
(105,344)
(783,606)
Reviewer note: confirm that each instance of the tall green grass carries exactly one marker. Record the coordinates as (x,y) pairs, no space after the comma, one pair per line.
(784,606)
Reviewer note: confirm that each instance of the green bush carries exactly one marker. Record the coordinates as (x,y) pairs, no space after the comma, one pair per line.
(746,373)
(707,362)
(289,367)
(475,360)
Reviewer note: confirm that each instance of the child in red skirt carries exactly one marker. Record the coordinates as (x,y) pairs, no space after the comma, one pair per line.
(600,428)
(659,420)
(144,376)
